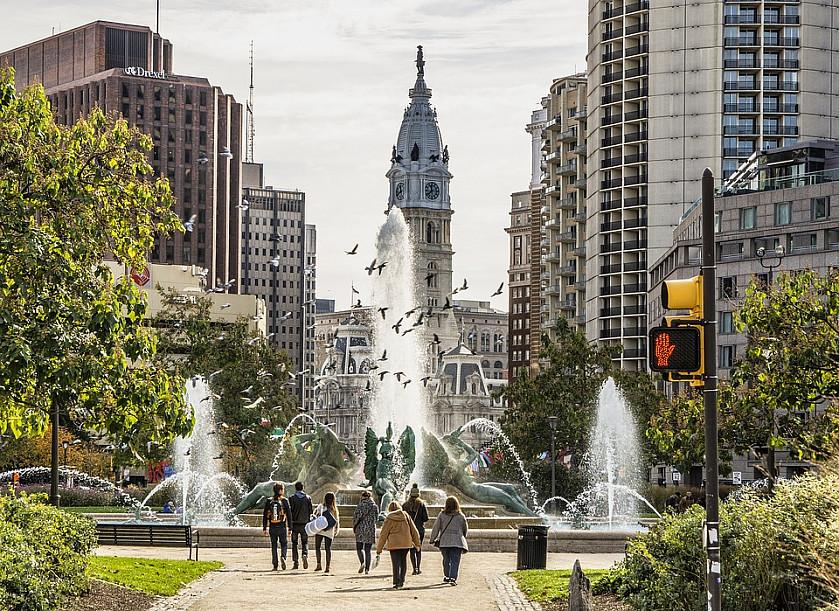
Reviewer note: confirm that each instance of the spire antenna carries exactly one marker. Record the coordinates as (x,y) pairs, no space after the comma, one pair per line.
(420,62)
(249,130)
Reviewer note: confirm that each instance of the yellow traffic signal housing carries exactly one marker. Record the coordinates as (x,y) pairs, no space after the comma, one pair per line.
(685,294)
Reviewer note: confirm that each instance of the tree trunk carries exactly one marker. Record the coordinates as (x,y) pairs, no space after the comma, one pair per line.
(579,590)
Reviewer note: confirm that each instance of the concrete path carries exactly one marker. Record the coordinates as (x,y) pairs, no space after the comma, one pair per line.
(244,582)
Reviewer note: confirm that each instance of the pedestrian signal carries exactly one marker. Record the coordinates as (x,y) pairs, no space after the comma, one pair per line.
(676,349)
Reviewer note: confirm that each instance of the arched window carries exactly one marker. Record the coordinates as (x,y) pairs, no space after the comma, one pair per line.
(431,276)
(485,341)
(472,339)
(498,342)
(432,233)
(498,365)
(485,364)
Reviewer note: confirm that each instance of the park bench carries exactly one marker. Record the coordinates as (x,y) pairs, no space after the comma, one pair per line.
(160,534)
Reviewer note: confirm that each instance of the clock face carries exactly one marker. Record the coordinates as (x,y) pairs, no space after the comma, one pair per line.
(400,190)
(432,191)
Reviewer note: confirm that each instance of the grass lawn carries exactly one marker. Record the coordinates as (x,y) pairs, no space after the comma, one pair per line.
(546,586)
(157,577)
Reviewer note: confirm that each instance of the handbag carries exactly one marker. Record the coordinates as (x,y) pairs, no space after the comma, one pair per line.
(436,542)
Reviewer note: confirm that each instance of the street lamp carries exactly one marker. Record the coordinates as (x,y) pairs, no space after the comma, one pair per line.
(779,253)
(552,421)
(65,444)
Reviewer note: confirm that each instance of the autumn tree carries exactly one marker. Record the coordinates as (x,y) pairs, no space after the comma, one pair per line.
(72,339)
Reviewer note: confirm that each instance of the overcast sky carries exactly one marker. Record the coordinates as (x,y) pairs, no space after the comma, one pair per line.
(331,82)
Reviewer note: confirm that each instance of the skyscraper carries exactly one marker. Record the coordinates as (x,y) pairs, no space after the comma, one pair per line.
(673,88)
(194,126)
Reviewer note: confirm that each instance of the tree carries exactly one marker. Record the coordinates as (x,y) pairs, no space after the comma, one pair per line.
(249,376)
(783,391)
(72,340)
(567,388)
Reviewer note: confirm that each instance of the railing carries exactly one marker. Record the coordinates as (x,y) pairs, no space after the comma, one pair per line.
(636,136)
(630,202)
(741,41)
(638,27)
(616,33)
(742,63)
(744,19)
(610,184)
(640,157)
(635,180)
(639,71)
(635,115)
(637,6)
(636,93)
(611,77)
(740,85)
(637,50)
(635,244)
(611,141)
(607,57)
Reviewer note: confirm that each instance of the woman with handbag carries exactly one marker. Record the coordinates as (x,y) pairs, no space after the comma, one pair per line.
(449,534)
(364,526)
(328,510)
(400,535)
(415,507)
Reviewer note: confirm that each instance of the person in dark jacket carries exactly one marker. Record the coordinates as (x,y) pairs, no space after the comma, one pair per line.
(450,530)
(364,526)
(418,512)
(301,514)
(276,523)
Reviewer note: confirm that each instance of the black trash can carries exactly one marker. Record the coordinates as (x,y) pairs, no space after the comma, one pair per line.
(533,548)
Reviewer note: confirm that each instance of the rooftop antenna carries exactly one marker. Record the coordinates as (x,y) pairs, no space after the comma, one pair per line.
(157,25)
(249,131)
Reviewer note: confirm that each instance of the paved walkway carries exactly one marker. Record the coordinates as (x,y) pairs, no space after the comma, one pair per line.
(244,582)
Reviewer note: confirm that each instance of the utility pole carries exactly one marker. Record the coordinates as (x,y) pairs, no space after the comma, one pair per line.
(711,539)
(249,131)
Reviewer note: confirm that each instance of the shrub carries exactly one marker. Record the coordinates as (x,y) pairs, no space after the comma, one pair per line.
(764,564)
(87,497)
(43,553)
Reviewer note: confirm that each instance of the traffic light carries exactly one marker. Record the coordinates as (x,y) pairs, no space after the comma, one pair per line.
(676,348)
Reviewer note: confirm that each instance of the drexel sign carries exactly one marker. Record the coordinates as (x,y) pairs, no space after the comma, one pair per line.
(137,71)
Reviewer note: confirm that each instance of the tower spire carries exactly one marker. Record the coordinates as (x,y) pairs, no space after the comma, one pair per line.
(249,130)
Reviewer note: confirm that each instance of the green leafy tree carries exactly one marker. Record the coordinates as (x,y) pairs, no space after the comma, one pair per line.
(71,338)
(783,391)
(250,378)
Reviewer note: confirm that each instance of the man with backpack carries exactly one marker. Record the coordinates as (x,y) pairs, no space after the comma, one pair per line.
(301,514)
(276,522)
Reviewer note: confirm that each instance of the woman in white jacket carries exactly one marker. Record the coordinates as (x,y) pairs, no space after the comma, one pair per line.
(329,510)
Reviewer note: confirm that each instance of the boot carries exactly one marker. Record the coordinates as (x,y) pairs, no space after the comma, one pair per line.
(326,570)
(318,567)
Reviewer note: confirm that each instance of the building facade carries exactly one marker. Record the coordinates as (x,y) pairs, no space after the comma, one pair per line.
(278,265)
(484,331)
(194,126)
(518,283)
(673,88)
(783,202)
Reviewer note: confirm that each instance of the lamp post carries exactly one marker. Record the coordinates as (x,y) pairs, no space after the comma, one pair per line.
(552,421)
(779,253)
(65,444)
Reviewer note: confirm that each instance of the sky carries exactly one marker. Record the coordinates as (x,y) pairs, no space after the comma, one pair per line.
(331,80)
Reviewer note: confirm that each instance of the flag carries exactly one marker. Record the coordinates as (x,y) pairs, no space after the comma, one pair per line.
(354,291)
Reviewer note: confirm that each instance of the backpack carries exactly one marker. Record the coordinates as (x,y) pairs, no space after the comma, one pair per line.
(276,511)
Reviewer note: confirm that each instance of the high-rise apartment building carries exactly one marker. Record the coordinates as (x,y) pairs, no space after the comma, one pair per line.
(194,126)
(278,265)
(518,283)
(675,87)
(564,252)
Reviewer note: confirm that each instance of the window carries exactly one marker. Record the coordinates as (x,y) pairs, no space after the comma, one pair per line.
(819,208)
(748,218)
(717,222)
(485,339)
(727,354)
(728,286)
(726,322)
(431,276)
(783,213)
(804,242)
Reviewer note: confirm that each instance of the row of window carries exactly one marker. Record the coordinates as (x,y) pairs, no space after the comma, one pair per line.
(519,356)
(285,237)
(272,222)
(291,284)
(496,345)
(171,97)
(247,250)
(783,214)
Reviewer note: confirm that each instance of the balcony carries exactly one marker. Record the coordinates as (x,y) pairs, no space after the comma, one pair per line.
(780,63)
(637,6)
(782,86)
(612,34)
(568,134)
(633,223)
(637,50)
(777,130)
(635,180)
(567,203)
(639,71)
(553,289)
(638,27)
(607,333)
(613,204)
(745,85)
(579,252)
(611,77)
(634,331)
(636,93)
(569,303)
(611,184)
(781,19)
(610,162)
(604,312)
(742,63)
(634,245)
(553,256)
(613,226)
(742,19)
(741,41)
(545,276)
(631,202)
(545,308)
(568,236)
(545,243)
(781,42)
(636,136)
(568,168)
(635,115)
(579,149)
(580,286)
(569,269)
(580,319)
(638,158)
(580,217)
(553,223)
(746,129)
(636,309)
(745,108)
(581,183)
(610,247)
(610,120)
(608,57)
(613,13)
(635,266)
(641,287)
(555,188)
(612,98)
(611,141)
(635,353)
(581,113)
(734,152)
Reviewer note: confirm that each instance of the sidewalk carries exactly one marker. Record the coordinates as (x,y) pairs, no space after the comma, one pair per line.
(246,581)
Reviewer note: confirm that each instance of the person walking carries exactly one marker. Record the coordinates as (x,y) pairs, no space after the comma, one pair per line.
(416,509)
(449,534)
(399,535)
(301,514)
(364,526)
(329,510)
(276,524)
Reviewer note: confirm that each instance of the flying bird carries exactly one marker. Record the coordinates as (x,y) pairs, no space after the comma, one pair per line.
(429,278)
(382,374)
(405,383)
(425,380)
(275,262)
(371,268)
(448,305)
(399,375)
(382,311)
(381,266)
(254,404)
(219,457)
(419,320)
(436,339)
(285,317)
(225,305)
(188,452)
(190,224)
(406,331)
(396,326)
(252,341)
(384,356)
(244,205)
(498,292)
(464,286)
(410,312)
(354,250)
(215,373)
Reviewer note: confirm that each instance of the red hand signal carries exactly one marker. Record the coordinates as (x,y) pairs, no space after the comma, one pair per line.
(663,349)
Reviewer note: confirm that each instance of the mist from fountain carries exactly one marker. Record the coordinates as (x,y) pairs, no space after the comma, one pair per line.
(392,400)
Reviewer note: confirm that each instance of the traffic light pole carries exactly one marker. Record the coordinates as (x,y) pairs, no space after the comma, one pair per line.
(711,533)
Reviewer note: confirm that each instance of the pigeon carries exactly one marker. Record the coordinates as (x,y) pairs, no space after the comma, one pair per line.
(244,205)
(219,457)
(188,452)
(354,250)
(285,317)
(425,380)
(252,341)
(254,404)
(436,339)
(464,287)
(448,305)
(275,262)
(225,306)
(381,266)
(410,312)
(405,383)
(371,268)
(384,356)
(256,317)
(358,304)
(406,331)
(382,374)
(190,224)
(419,320)
(275,238)
(396,326)
(369,386)
(382,311)
(214,374)
(399,375)
(498,292)
(429,278)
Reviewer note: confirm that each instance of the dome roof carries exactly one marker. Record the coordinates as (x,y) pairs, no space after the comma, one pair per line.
(419,135)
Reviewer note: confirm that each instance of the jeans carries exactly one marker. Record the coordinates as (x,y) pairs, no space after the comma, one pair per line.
(399,560)
(416,554)
(364,555)
(327,545)
(451,561)
(278,533)
(304,541)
